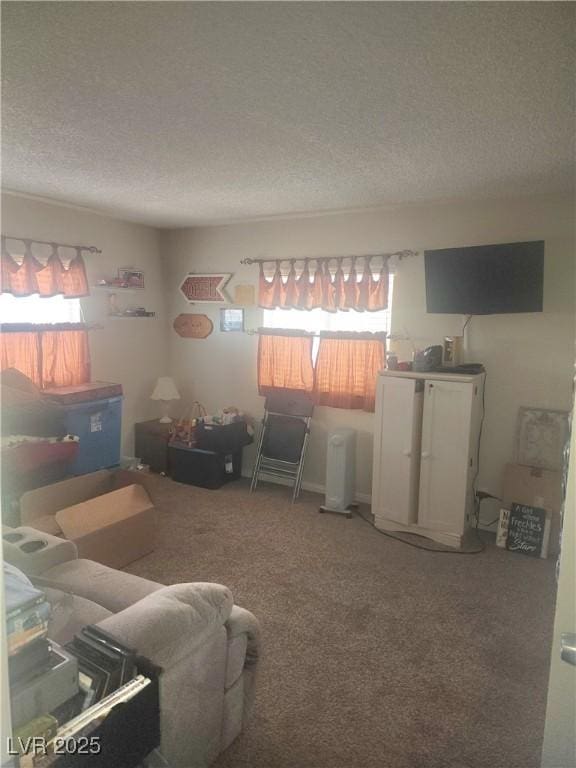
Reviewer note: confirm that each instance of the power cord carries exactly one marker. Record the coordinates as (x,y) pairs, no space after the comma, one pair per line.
(466,323)
(481,544)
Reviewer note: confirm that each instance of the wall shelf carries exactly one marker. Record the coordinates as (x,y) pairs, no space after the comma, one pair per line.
(153,314)
(119,288)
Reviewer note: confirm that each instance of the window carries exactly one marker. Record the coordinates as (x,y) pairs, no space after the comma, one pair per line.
(316,320)
(37,309)
(54,351)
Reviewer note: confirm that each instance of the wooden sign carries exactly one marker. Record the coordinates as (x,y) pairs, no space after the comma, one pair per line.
(245,295)
(193,326)
(206,287)
(527,530)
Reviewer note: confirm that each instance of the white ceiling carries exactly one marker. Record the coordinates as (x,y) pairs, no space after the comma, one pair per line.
(176,114)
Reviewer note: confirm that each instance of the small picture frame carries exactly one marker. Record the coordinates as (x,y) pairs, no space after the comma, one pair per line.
(231,320)
(130,277)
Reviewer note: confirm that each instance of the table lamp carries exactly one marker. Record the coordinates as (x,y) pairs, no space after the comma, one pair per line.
(165,391)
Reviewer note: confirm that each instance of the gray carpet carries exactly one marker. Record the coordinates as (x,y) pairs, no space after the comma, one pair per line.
(376,654)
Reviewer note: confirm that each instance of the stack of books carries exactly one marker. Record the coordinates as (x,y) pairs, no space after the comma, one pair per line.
(27,616)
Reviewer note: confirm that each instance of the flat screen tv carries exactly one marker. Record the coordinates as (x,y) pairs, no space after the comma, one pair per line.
(485,279)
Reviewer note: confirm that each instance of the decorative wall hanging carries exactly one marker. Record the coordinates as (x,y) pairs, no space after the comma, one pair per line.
(245,295)
(193,326)
(206,287)
(130,277)
(541,437)
(231,320)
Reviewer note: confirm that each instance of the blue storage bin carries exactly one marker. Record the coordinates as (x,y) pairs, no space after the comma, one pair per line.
(98,424)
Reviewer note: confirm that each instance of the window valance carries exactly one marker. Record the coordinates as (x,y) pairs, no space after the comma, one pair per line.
(324,283)
(25,274)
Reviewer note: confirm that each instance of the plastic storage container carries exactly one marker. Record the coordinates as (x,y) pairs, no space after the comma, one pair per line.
(98,424)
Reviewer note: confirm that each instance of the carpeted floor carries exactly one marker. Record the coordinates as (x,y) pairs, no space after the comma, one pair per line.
(376,655)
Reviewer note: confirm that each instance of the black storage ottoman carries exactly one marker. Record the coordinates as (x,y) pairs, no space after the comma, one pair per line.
(215,459)
(207,469)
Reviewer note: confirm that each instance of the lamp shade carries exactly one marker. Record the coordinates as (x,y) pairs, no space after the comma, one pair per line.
(165,389)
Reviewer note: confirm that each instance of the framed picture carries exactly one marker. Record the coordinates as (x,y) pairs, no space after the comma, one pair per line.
(231,320)
(541,437)
(129,277)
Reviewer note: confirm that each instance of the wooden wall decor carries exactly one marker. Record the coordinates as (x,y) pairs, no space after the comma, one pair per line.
(206,287)
(193,326)
(245,295)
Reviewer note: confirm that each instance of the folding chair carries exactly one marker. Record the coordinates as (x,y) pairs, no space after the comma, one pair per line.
(284,438)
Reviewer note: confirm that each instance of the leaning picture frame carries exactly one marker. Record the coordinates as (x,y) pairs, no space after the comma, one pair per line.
(131,277)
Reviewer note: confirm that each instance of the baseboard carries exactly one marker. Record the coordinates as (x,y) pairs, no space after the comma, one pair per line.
(361,498)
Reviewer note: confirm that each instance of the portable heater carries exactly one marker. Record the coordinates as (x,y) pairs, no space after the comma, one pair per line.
(340,471)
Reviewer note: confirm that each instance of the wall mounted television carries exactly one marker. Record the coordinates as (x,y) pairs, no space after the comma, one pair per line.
(485,279)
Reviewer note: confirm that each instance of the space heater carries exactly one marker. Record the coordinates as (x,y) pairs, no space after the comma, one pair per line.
(340,471)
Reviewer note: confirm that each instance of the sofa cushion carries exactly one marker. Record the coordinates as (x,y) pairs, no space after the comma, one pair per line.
(111,589)
(70,613)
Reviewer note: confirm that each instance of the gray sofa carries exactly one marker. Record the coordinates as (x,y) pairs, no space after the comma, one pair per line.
(207,646)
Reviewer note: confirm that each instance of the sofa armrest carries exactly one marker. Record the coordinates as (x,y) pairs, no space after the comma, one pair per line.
(173,621)
(243,628)
(33,563)
(242,622)
(182,629)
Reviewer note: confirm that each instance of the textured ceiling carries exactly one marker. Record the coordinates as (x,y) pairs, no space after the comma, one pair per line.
(182,113)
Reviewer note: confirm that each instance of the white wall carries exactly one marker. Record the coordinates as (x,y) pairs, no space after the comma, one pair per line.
(131,351)
(528,357)
(559,747)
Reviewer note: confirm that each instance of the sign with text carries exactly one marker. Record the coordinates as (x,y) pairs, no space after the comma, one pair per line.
(526,530)
(206,287)
(193,326)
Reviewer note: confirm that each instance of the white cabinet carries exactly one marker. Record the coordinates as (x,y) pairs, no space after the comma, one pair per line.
(399,414)
(425,453)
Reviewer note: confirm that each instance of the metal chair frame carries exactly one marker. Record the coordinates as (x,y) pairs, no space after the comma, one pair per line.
(278,467)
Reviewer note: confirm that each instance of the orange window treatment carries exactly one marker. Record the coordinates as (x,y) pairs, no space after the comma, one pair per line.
(284,361)
(50,358)
(65,358)
(347,367)
(22,351)
(31,276)
(360,291)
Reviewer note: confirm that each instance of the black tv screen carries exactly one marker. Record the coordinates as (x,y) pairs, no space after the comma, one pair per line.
(485,279)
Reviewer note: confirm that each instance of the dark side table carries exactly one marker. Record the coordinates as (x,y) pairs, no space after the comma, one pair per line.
(151,444)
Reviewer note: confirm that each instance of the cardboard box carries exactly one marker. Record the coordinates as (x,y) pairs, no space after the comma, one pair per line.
(109,517)
(538,488)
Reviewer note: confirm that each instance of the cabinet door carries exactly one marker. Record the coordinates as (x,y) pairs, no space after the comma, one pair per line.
(445,455)
(397,450)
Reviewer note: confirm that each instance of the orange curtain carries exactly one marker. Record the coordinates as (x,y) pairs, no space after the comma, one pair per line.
(22,351)
(31,276)
(50,358)
(284,361)
(321,289)
(347,367)
(65,358)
